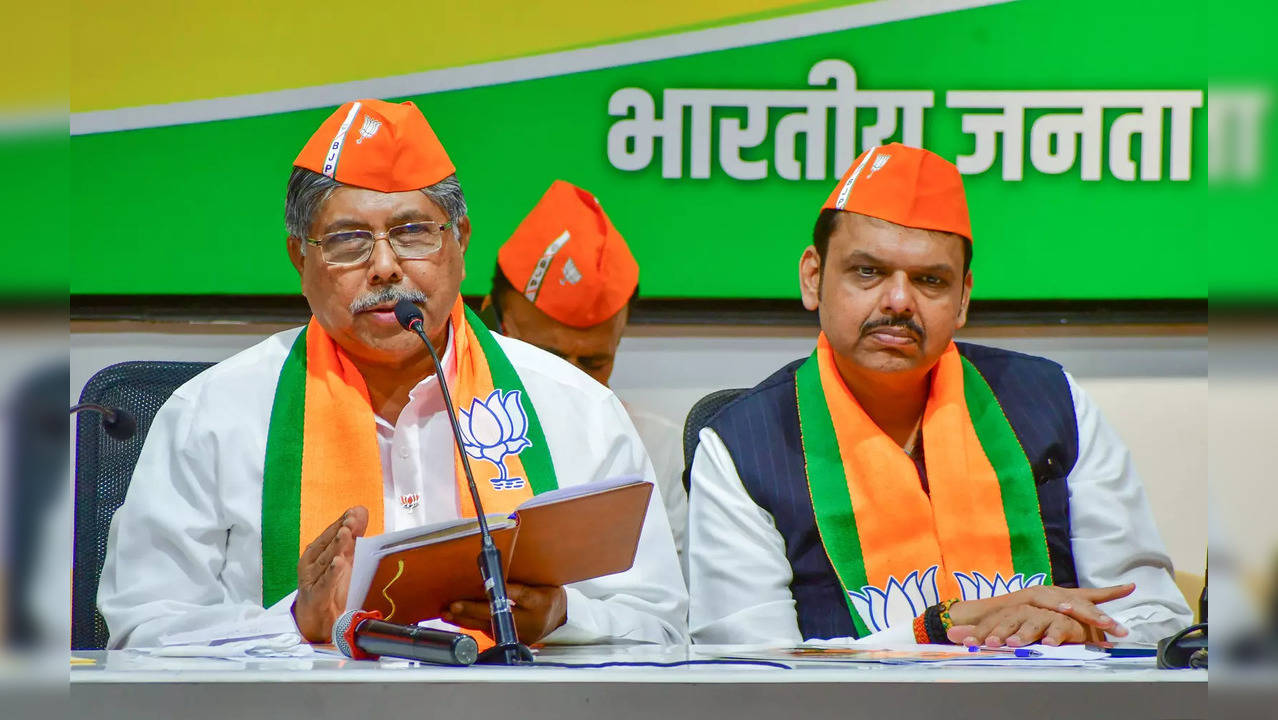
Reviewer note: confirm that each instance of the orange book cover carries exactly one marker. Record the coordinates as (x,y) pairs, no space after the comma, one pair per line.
(560,537)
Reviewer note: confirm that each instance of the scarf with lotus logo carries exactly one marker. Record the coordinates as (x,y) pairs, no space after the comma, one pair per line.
(322,455)
(977,531)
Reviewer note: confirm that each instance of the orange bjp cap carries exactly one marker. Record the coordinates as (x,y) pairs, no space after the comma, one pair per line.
(377,145)
(568,259)
(904,185)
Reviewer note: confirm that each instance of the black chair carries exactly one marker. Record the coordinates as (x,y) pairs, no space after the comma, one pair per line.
(103,469)
(700,414)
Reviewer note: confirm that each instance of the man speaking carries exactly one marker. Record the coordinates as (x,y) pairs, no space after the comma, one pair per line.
(258,475)
(895,481)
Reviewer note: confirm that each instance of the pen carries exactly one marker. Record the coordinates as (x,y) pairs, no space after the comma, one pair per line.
(1018,652)
(1126,650)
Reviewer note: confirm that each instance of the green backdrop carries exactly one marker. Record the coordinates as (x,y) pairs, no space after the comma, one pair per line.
(198,208)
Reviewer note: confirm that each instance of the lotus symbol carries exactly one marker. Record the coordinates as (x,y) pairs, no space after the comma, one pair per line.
(978,587)
(493,429)
(900,601)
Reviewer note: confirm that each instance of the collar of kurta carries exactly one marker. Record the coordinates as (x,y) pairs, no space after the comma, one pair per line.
(898,548)
(322,455)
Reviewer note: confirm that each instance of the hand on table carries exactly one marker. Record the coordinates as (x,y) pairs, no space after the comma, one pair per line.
(324,575)
(1046,613)
(537,611)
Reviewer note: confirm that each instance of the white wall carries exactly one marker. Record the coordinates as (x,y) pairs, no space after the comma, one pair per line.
(1151,384)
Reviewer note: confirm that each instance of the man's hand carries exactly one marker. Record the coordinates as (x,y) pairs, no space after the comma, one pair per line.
(324,575)
(537,610)
(1047,613)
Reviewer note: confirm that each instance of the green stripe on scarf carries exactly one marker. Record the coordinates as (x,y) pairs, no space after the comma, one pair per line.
(831,503)
(536,458)
(282,473)
(1015,476)
(832,506)
(282,478)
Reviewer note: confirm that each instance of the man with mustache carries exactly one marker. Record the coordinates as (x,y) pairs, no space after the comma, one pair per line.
(897,482)
(258,475)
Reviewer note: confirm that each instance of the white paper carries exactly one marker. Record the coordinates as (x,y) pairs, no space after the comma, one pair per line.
(282,645)
(844,651)
(889,640)
(266,625)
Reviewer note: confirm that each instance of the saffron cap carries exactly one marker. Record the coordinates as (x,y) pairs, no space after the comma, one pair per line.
(904,185)
(568,259)
(377,145)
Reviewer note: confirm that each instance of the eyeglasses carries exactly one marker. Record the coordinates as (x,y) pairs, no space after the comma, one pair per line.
(411,241)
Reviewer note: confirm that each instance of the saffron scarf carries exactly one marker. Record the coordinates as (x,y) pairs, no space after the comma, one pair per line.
(977,532)
(322,454)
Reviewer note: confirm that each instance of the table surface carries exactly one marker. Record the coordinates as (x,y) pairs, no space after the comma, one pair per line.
(125,666)
(134,685)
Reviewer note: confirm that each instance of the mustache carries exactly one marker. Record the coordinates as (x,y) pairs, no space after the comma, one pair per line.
(899,321)
(388,294)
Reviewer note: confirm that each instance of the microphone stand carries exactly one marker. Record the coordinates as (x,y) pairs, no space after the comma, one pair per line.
(508,650)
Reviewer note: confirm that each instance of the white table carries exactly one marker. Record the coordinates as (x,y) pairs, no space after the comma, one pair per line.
(125,685)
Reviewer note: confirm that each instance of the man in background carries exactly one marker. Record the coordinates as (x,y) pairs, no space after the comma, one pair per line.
(565,281)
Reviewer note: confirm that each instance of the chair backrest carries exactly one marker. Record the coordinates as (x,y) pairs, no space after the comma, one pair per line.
(103,469)
(698,416)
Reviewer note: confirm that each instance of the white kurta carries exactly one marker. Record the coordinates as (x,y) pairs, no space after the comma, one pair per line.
(664,441)
(184,554)
(739,576)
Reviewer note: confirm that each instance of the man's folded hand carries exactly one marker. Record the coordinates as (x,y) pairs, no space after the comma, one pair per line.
(1048,614)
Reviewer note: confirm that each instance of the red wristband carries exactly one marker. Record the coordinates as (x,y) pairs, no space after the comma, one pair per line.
(920,631)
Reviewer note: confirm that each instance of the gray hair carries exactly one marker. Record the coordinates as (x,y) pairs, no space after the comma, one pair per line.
(307,191)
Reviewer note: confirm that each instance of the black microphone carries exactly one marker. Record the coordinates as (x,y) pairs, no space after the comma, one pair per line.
(365,636)
(507,650)
(117,422)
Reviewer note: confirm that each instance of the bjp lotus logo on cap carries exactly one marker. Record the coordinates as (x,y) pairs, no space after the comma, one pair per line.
(493,429)
(571,275)
(369,129)
(879,162)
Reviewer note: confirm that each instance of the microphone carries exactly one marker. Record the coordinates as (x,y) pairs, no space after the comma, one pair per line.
(507,650)
(365,636)
(117,422)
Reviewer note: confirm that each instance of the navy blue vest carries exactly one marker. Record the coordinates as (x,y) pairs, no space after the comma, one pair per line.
(761,431)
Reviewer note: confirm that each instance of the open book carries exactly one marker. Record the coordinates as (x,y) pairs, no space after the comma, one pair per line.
(558,537)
